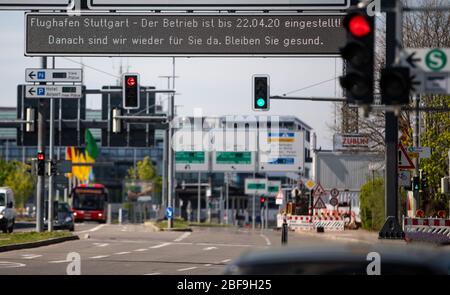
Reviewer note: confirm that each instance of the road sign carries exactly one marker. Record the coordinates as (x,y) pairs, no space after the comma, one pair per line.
(279,197)
(319,190)
(33,4)
(169,212)
(334,192)
(281,151)
(233,161)
(54,75)
(427,59)
(430,68)
(310,184)
(404,178)
(50,34)
(422,152)
(319,204)
(404,162)
(273,187)
(217,4)
(255,186)
(53,91)
(334,201)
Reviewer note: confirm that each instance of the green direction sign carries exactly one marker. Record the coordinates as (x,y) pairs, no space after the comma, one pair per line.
(273,189)
(436,60)
(190,157)
(256,186)
(242,158)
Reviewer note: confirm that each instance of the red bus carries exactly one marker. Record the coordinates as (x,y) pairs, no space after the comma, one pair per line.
(90,202)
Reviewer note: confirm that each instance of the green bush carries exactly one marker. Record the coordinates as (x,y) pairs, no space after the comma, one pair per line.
(372,204)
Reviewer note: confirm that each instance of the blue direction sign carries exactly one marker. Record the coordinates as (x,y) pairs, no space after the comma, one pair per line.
(169,213)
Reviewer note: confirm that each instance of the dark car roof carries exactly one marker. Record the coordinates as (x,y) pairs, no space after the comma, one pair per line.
(327,259)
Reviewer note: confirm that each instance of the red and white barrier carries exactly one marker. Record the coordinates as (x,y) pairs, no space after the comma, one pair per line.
(427,229)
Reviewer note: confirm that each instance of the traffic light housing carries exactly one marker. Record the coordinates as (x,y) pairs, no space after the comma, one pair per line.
(395,85)
(359,54)
(131,91)
(261,92)
(416,183)
(53,168)
(41,164)
(423,181)
(262,201)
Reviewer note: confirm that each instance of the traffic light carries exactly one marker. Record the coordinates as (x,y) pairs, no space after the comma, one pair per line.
(53,168)
(261,92)
(395,85)
(423,180)
(416,183)
(358,53)
(41,164)
(131,91)
(262,201)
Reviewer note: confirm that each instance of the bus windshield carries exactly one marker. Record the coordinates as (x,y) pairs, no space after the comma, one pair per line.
(89,201)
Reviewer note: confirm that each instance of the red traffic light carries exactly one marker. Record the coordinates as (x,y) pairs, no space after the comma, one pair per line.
(358,25)
(41,156)
(262,200)
(131,81)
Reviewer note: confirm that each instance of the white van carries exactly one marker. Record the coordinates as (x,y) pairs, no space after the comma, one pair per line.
(7,211)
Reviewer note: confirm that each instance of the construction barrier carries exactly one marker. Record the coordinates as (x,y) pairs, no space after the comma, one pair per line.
(435,230)
(330,222)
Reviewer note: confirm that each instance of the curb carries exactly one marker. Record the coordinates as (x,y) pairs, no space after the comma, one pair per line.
(346,239)
(38,243)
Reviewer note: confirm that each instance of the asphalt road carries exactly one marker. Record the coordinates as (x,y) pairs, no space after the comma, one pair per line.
(137,250)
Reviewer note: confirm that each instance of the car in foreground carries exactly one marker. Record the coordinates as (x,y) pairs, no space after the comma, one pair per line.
(389,259)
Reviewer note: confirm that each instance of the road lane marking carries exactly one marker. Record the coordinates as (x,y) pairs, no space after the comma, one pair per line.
(209,264)
(30,256)
(182,237)
(159,246)
(152,274)
(224,245)
(267,239)
(226,260)
(99,256)
(140,250)
(59,261)
(209,248)
(92,229)
(7,264)
(188,268)
(101,244)
(122,253)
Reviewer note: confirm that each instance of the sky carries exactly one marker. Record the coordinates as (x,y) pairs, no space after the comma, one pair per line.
(219,86)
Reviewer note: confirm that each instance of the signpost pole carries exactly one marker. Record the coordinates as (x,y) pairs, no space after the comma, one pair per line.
(253,207)
(171,159)
(227,192)
(416,144)
(199,196)
(41,149)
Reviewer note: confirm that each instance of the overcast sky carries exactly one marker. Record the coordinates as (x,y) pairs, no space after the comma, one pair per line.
(220,86)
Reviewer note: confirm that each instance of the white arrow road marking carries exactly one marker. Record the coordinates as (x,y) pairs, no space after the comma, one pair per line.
(209,248)
(189,268)
(182,237)
(7,264)
(267,239)
(160,246)
(31,256)
(92,229)
(99,256)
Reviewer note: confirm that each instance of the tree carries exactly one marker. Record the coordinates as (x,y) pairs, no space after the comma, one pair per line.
(20,180)
(372,204)
(145,171)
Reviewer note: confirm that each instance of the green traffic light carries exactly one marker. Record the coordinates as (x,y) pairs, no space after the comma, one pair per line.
(261,102)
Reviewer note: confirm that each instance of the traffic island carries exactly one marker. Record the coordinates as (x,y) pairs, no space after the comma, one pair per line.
(178,225)
(26,240)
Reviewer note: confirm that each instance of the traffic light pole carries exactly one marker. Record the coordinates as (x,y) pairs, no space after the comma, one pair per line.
(50,160)
(391,229)
(40,187)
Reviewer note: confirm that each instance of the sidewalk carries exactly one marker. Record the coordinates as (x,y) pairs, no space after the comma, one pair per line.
(355,236)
